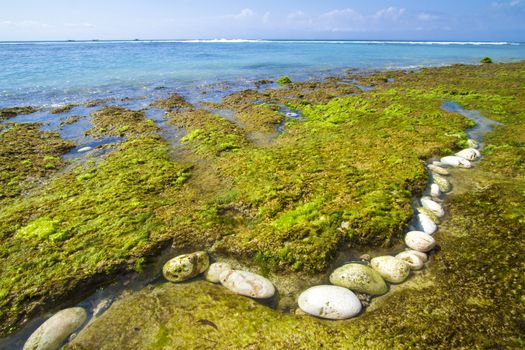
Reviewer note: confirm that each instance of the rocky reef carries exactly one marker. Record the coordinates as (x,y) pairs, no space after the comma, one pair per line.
(341,176)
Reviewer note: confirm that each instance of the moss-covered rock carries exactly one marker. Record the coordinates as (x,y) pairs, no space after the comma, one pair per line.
(11,112)
(27,156)
(284,80)
(118,121)
(170,103)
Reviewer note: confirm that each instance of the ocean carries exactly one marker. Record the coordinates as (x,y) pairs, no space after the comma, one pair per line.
(50,74)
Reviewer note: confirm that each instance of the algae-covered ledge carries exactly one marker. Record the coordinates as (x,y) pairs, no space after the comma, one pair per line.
(352,159)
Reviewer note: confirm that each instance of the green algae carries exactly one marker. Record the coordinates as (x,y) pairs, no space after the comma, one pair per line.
(170,103)
(63,109)
(259,118)
(28,155)
(117,121)
(352,159)
(56,239)
(476,279)
(6,113)
(486,60)
(70,120)
(208,133)
(284,80)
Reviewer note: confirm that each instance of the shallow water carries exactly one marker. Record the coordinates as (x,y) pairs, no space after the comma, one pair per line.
(55,73)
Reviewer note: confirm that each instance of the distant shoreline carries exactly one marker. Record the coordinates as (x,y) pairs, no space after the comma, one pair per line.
(308,41)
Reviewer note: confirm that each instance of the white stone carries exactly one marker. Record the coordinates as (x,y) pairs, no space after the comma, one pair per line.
(425,224)
(331,302)
(472,143)
(436,208)
(456,161)
(213,274)
(85,149)
(247,283)
(469,154)
(184,267)
(412,260)
(52,333)
(420,241)
(442,182)
(439,164)
(390,268)
(292,114)
(359,278)
(438,170)
(422,256)
(434,191)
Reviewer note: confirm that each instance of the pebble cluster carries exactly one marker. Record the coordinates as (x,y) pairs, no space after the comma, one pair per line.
(339,300)
(352,284)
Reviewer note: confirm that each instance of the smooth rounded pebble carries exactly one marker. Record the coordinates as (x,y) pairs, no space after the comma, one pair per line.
(456,161)
(430,214)
(435,207)
(359,278)
(184,267)
(331,302)
(420,241)
(472,143)
(390,268)
(413,260)
(53,333)
(469,154)
(422,256)
(438,170)
(247,283)
(213,274)
(443,183)
(85,149)
(434,191)
(425,224)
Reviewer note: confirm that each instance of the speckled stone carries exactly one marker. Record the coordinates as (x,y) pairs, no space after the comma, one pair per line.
(391,269)
(247,283)
(359,278)
(184,267)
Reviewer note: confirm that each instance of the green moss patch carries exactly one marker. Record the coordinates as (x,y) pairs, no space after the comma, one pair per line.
(6,113)
(117,121)
(170,103)
(28,155)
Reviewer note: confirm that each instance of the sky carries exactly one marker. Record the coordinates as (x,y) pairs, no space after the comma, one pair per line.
(480,20)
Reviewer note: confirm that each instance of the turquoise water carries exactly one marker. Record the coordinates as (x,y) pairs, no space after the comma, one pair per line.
(53,73)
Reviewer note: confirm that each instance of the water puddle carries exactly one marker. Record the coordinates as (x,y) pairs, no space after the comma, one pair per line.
(483,124)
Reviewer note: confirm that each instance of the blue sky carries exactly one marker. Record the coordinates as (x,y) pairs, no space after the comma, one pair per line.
(269,19)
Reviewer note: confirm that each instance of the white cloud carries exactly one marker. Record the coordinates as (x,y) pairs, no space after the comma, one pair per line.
(244,14)
(507,4)
(427,17)
(292,16)
(266,18)
(26,23)
(390,13)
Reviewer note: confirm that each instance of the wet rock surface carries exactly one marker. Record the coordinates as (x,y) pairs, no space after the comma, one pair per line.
(53,333)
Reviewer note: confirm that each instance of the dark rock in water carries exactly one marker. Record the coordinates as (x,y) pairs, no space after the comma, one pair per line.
(486,60)
(6,113)
(262,82)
